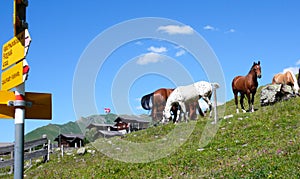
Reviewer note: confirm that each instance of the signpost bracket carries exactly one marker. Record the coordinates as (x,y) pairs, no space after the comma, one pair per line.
(19,103)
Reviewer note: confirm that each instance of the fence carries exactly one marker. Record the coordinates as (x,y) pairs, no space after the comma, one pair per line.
(32,149)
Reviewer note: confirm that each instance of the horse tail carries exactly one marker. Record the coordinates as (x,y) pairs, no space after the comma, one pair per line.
(296,86)
(145,101)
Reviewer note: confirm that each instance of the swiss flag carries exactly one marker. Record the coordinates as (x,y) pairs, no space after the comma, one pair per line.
(107,110)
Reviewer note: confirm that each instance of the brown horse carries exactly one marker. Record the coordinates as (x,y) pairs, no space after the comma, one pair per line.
(159,99)
(287,78)
(246,85)
(298,77)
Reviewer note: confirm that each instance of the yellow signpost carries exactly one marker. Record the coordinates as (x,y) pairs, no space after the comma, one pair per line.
(20,105)
(41,105)
(5,111)
(13,50)
(12,77)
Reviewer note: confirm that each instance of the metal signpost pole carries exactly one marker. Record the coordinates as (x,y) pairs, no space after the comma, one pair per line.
(19,131)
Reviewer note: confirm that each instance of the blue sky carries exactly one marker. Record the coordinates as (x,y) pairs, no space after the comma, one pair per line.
(238,32)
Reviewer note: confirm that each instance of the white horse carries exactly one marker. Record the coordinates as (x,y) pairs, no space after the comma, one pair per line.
(183,94)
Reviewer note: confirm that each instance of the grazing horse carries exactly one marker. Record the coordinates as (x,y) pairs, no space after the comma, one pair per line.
(185,94)
(298,77)
(287,78)
(246,85)
(158,99)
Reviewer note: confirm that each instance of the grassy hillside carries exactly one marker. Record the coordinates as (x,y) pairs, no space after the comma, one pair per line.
(52,131)
(263,144)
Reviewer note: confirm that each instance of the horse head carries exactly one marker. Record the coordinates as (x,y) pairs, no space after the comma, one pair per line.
(166,117)
(257,69)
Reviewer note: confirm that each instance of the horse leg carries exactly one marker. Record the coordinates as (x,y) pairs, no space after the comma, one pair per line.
(153,112)
(201,113)
(242,102)
(167,111)
(192,110)
(249,102)
(174,110)
(206,99)
(252,102)
(183,108)
(236,101)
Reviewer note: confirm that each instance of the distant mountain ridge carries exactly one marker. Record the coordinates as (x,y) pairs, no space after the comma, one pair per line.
(77,127)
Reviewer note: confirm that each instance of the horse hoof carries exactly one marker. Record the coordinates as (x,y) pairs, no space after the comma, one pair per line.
(237,111)
(244,111)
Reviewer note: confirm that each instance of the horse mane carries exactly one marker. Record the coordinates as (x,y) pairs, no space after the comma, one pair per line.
(296,86)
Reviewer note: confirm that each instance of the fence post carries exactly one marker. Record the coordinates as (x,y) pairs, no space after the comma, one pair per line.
(30,160)
(62,151)
(215,104)
(49,146)
(12,166)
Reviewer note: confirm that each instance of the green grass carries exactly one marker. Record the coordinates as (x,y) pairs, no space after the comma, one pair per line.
(263,144)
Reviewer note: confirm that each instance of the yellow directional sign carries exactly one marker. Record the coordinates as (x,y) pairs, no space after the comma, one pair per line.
(5,111)
(12,77)
(41,105)
(13,50)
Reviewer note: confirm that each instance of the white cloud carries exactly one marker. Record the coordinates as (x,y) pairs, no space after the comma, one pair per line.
(180,53)
(138,99)
(175,29)
(149,58)
(157,49)
(295,70)
(230,31)
(138,43)
(209,27)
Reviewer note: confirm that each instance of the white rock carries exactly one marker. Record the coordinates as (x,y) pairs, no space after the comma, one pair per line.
(81,151)
(228,116)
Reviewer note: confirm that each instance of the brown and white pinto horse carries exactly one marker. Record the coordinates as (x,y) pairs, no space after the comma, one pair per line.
(159,98)
(246,85)
(287,78)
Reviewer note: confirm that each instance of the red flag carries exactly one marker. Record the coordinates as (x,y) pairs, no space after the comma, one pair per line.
(107,110)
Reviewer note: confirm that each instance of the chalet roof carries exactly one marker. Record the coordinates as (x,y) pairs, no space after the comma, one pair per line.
(109,133)
(99,126)
(131,120)
(119,119)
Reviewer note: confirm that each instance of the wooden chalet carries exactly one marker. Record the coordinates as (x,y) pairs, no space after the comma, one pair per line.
(136,123)
(122,126)
(70,140)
